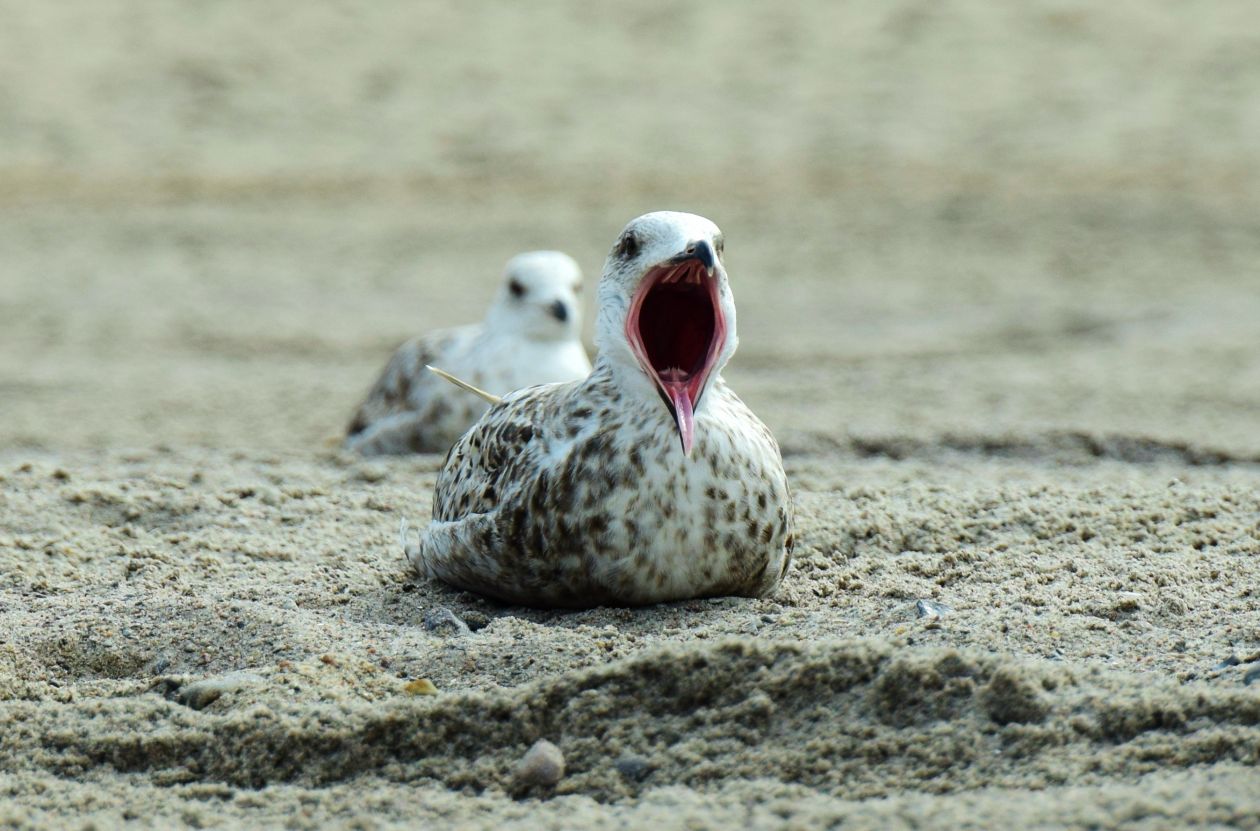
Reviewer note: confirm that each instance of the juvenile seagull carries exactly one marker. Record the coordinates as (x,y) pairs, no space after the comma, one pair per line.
(648,481)
(529,336)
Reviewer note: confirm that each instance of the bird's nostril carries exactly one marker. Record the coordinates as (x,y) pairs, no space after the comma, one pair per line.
(560,311)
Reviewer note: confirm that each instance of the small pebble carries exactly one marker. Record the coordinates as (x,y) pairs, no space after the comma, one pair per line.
(443,621)
(201,694)
(930,608)
(634,768)
(420,686)
(542,766)
(1231,661)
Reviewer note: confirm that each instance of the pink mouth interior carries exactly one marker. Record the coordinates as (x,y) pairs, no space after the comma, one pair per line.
(676,329)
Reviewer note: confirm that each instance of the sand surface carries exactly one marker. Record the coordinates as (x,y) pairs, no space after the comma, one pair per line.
(998,276)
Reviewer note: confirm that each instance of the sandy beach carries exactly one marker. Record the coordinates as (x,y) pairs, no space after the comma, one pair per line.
(998,289)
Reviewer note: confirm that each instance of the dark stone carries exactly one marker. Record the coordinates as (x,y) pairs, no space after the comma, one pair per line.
(634,768)
(443,621)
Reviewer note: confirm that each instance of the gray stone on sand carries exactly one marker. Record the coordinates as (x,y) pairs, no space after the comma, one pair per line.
(445,622)
(931,608)
(201,694)
(634,768)
(541,767)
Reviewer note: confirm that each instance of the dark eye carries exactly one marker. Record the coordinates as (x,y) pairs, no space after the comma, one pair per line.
(627,246)
(719,244)
(516,288)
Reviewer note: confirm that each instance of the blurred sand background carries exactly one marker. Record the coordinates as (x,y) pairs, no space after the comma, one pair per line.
(997,275)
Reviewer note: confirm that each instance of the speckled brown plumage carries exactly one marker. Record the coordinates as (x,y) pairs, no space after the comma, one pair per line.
(432,421)
(579,494)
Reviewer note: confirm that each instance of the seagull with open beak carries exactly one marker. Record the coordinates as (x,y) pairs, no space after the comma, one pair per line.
(680,325)
(646,482)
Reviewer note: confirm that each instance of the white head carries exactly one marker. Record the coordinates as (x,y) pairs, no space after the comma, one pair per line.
(666,313)
(538,298)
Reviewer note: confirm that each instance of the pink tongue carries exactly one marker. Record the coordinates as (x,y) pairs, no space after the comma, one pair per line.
(683,415)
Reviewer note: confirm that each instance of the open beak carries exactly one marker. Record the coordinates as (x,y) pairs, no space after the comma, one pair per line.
(676,329)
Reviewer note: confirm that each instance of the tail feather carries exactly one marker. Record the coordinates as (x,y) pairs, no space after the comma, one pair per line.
(464,385)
